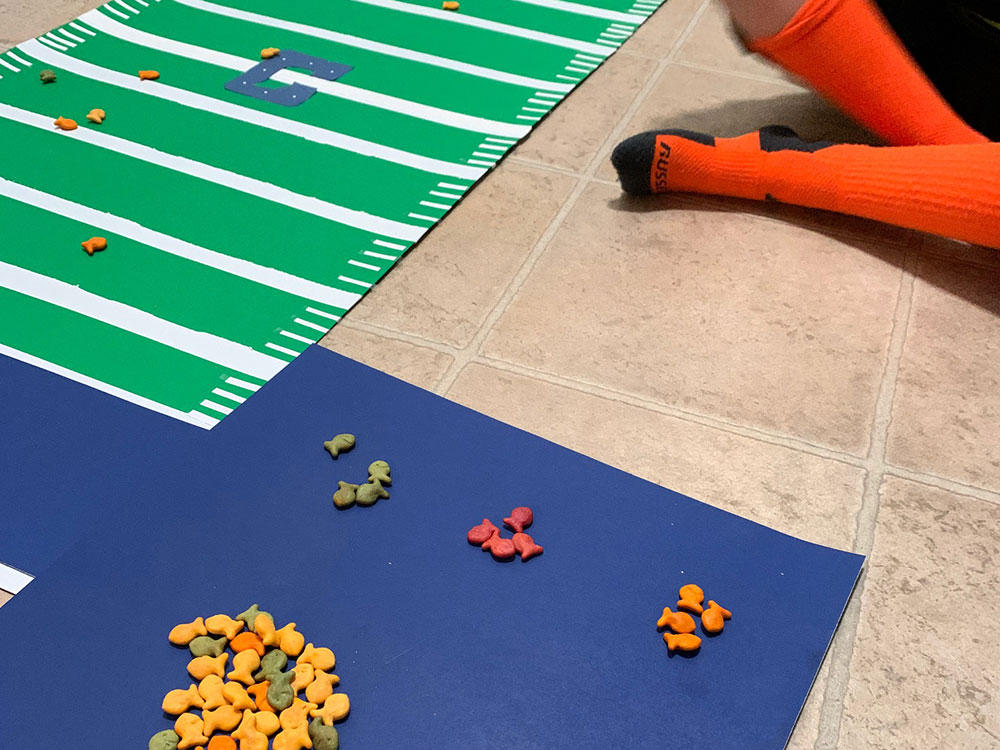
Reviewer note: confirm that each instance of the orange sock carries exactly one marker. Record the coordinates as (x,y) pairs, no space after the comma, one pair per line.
(846,50)
(953,191)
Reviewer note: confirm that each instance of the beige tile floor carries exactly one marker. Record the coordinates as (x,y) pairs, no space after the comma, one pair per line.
(830,377)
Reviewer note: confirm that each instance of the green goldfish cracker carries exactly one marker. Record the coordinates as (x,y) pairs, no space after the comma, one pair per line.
(47,76)
(280,692)
(271,665)
(339,444)
(345,496)
(206,645)
(323,737)
(250,616)
(369,494)
(165,740)
(378,471)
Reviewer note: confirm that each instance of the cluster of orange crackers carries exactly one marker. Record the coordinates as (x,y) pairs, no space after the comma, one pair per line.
(713,619)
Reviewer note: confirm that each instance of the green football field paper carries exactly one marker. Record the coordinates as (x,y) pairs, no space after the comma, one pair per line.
(239,229)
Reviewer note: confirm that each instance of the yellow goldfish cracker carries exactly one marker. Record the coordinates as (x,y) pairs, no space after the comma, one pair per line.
(264,627)
(296,738)
(183,634)
(224,625)
(336,707)
(249,736)
(245,663)
(203,666)
(189,727)
(296,714)
(268,52)
(321,687)
(237,696)
(211,690)
(303,676)
(267,722)
(225,718)
(177,702)
(289,640)
(321,658)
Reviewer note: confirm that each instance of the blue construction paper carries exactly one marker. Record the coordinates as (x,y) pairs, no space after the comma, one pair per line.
(438,645)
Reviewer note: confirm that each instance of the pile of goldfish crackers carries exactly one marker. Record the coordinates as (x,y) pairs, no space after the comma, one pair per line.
(713,619)
(259,696)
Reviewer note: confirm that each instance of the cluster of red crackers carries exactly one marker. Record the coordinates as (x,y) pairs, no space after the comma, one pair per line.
(489,537)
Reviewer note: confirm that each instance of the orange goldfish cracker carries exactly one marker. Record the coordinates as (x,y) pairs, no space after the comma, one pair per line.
(449,5)
(93,245)
(248,642)
(245,663)
(682,642)
(713,619)
(211,690)
(64,123)
(691,598)
(97,116)
(321,687)
(224,625)
(336,707)
(225,718)
(222,742)
(267,722)
(202,666)
(237,696)
(259,692)
(296,714)
(303,676)
(178,701)
(269,52)
(321,658)
(183,634)
(148,75)
(295,738)
(679,622)
(189,727)
(248,735)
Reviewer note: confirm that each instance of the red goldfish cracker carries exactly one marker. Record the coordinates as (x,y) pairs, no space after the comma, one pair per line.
(177,702)
(202,666)
(183,634)
(211,690)
(336,707)
(482,533)
(189,727)
(245,663)
(259,692)
(296,738)
(682,642)
(249,736)
(226,718)
(303,676)
(64,123)
(526,546)
(94,245)
(267,722)
(222,742)
(691,598)
(237,696)
(321,687)
(321,658)
(713,619)
(290,640)
(248,642)
(520,518)
(224,625)
(148,75)
(679,622)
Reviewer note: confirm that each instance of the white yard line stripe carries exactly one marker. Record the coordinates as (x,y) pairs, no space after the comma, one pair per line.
(589,57)
(366,266)
(245,269)
(314,326)
(216,407)
(504,141)
(199,418)
(321,313)
(482,23)
(296,337)
(245,114)
(571,69)
(483,155)
(228,394)
(331,88)
(624,27)
(143,3)
(585,64)
(615,33)
(349,280)
(432,204)
(546,102)
(282,349)
(580,10)
(439,194)
(480,163)
(115,11)
(385,49)
(534,109)
(13,580)
(417,216)
(380,256)
(637,12)
(223,177)
(243,384)
(16,58)
(49,43)
(99,386)
(551,96)
(390,245)
(82,29)
(8,65)
(493,147)
(74,37)
(568,78)
(519,117)
(206,346)
(127,7)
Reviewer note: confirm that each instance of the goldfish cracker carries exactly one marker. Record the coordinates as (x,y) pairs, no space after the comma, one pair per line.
(206,645)
(336,707)
(272,664)
(237,696)
(249,736)
(679,622)
(449,5)
(177,702)
(296,714)
(244,664)
(93,245)
(321,658)
(321,687)
(269,52)
(691,598)
(713,619)
(339,444)
(148,75)
(259,693)
(291,641)
(323,737)
(279,693)
(267,722)
(378,471)
(682,642)
(248,642)
(64,123)
(203,666)
(165,740)
(224,625)
(225,718)
(264,627)
(97,116)
(222,742)
(303,676)
(47,76)
(183,634)
(190,729)
(250,615)
(295,738)
(210,689)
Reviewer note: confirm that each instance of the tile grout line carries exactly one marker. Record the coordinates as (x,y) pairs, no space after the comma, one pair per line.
(777,80)
(842,650)
(514,287)
(942,483)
